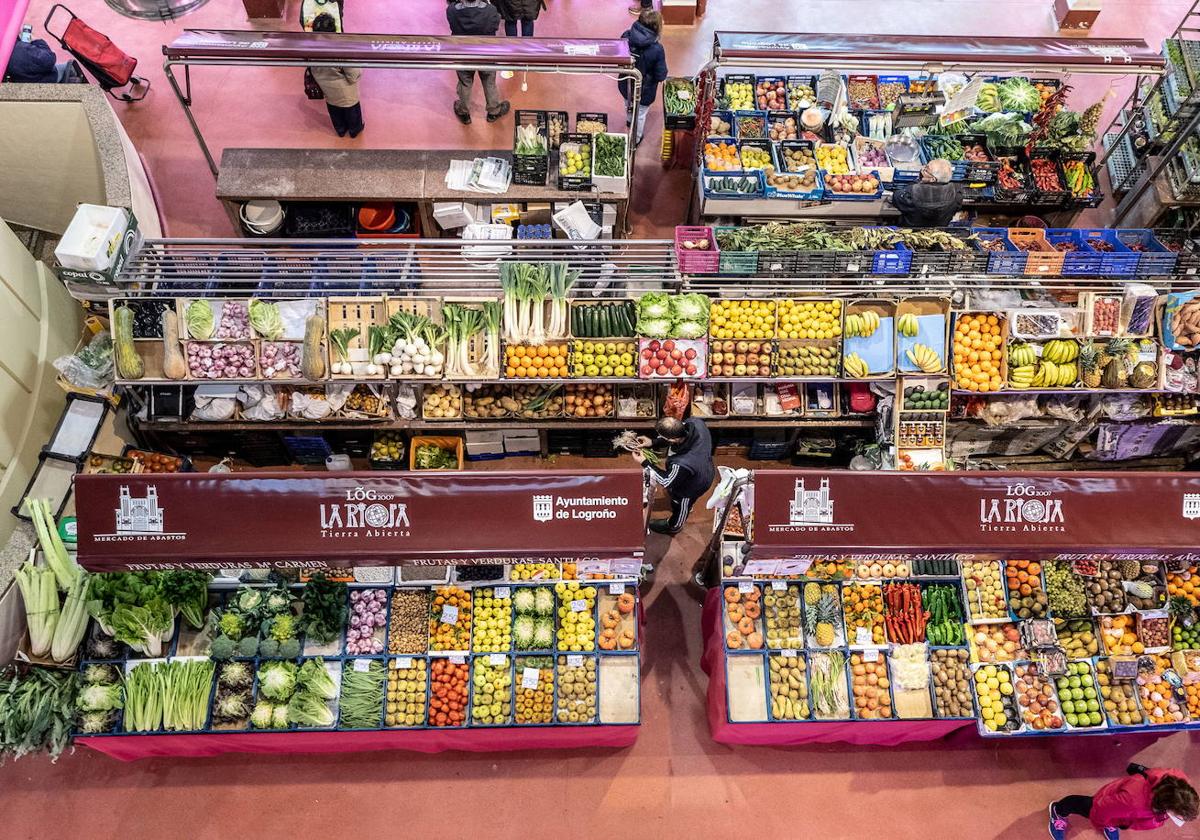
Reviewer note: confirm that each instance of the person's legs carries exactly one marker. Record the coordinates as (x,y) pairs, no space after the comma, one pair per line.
(641,125)
(496,107)
(526,29)
(1068,806)
(462,106)
(354,120)
(510,28)
(337,116)
(680,508)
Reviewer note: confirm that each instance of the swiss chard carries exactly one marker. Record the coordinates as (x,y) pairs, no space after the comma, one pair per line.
(143,627)
(324,613)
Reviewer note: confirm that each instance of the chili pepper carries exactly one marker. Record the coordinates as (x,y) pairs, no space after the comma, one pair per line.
(1045,175)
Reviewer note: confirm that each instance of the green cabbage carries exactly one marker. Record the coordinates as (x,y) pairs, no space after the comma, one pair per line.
(314,679)
(100,698)
(309,710)
(690,329)
(199,317)
(690,307)
(654,327)
(654,305)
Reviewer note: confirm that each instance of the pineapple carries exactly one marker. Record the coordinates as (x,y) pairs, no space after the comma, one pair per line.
(1090,120)
(1089,364)
(820,620)
(1118,356)
(1132,570)
(812,594)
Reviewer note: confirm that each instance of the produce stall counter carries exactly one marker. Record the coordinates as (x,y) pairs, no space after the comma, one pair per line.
(133,747)
(881,733)
(362,175)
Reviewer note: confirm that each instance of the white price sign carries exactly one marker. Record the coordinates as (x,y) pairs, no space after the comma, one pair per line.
(362,664)
(862,636)
(498,659)
(871,655)
(616,589)
(579,605)
(501,592)
(529,677)
(402,663)
(779,585)
(449,614)
(458,659)
(788,652)
(745,586)
(574,660)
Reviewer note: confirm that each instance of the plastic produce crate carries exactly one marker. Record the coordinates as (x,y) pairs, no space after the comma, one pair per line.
(1010,260)
(1154,258)
(735,262)
(1117,262)
(1084,260)
(692,261)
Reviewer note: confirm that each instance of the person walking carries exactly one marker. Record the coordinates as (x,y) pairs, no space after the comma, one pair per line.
(688,472)
(1143,800)
(519,12)
(651,61)
(931,202)
(340,86)
(475,17)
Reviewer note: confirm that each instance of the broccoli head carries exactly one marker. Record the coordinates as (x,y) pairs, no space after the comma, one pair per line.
(248,646)
(268,648)
(222,648)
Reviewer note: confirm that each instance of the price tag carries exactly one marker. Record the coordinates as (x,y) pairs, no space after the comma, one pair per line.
(870,655)
(862,636)
(458,659)
(362,664)
(402,663)
(500,592)
(616,589)
(788,652)
(529,677)
(498,659)
(449,614)
(852,267)
(745,587)
(574,660)
(779,586)
(579,605)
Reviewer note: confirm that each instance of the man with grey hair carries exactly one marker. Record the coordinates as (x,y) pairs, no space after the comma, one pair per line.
(932,201)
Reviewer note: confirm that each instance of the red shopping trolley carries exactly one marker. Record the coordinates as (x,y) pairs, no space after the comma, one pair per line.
(110,66)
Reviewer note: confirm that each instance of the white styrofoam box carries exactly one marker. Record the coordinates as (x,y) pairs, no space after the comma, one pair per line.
(453,214)
(522,444)
(519,433)
(608,214)
(90,242)
(485,448)
(474,437)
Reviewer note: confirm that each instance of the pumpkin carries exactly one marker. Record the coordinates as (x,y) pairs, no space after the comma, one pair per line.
(745,626)
(731,597)
(735,613)
(753,610)
(610,619)
(626,640)
(754,640)
(732,640)
(625,602)
(608,639)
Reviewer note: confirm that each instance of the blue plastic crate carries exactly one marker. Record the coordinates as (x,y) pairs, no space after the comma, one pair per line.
(1084,260)
(1120,261)
(740,116)
(708,178)
(725,116)
(875,196)
(1009,261)
(1154,258)
(307,449)
(896,261)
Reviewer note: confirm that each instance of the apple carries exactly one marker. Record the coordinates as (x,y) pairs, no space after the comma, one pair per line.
(676,370)
(677,354)
(716,357)
(691,370)
(690,353)
(654,345)
(668,345)
(662,370)
(647,370)
(647,353)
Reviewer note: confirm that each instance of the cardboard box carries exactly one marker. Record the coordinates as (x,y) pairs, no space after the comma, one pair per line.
(123,238)
(1076,14)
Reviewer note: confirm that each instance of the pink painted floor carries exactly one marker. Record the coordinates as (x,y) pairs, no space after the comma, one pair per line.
(675,781)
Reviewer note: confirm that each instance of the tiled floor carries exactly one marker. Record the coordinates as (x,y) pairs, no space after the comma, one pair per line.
(675,781)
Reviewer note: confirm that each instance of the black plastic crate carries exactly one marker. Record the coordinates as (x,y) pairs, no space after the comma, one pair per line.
(598,445)
(565,442)
(307,449)
(314,219)
(260,449)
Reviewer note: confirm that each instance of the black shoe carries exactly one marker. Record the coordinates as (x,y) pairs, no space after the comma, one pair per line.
(465,119)
(500,112)
(341,132)
(662,526)
(357,132)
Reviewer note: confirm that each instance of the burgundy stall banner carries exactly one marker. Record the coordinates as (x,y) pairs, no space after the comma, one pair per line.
(801,514)
(209,521)
(938,49)
(363,50)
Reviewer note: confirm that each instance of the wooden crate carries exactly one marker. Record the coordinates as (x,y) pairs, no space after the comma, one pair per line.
(181,305)
(431,308)
(359,313)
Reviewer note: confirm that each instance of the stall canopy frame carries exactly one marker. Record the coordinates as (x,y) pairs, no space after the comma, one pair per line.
(238,48)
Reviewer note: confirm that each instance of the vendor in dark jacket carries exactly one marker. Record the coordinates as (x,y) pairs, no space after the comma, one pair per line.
(688,472)
(523,12)
(931,202)
(651,61)
(475,17)
(34,62)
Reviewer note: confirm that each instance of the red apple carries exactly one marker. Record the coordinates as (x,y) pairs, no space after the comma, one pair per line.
(647,370)
(663,355)
(676,370)
(690,353)
(676,355)
(668,345)
(691,370)
(647,353)
(662,370)
(654,345)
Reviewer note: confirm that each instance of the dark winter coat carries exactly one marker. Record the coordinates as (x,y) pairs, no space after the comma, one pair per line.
(472,17)
(512,10)
(651,61)
(927,205)
(31,62)
(689,470)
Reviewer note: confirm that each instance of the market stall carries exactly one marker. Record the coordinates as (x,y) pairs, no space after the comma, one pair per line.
(818,125)
(521,631)
(883,608)
(553,161)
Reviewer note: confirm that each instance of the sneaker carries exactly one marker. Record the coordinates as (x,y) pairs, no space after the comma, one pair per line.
(635,9)
(500,112)
(662,526)
(465,119)
(354,134)
(1058,825)
(1112,834)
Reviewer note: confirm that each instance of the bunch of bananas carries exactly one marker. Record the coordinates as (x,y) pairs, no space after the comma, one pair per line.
(1047,374)
(1021,354)
(855,366)
(989,98)
(1060,352)
(861,324)
(907,325)
(925,358)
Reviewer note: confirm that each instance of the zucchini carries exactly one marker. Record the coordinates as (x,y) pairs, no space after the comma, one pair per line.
(574,320)
(591,322)
(129,363)
(607,322)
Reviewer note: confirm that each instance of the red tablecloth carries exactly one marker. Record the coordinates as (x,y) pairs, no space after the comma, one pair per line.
(130,747)
(868,732)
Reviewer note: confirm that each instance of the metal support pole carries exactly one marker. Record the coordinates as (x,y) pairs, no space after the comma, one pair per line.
(186,103)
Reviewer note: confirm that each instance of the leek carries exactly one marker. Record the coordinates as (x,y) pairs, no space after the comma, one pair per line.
(40,594)
(72,622)
(561,279)
(492,311)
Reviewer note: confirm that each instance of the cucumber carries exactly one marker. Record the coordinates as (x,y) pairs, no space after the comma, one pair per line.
(586,317)
(574,320)
(605,323)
